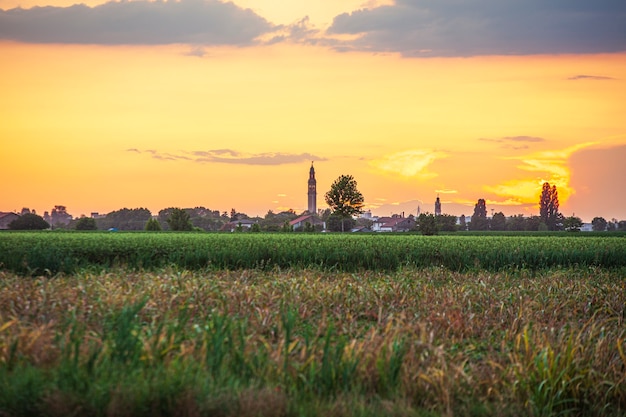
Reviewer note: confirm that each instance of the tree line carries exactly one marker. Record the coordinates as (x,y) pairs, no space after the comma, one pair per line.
(345,202)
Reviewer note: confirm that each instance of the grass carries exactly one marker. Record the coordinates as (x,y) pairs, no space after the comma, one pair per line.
(411,342)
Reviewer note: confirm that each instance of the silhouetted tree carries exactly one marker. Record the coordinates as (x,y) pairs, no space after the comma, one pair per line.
(549,207)
(153,225)
(479,218)
(498,221)
(427,224)
(344,199)
(86,223)
(446,223)
(572,224)
(179,220)
(598,224)
(462,222)
(29,221)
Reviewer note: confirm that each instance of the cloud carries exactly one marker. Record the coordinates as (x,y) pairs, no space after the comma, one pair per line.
(590,77)
(410,163)
(229,156)
(446,191)
(197,22)
(551,166)
(514,142)
(486,27)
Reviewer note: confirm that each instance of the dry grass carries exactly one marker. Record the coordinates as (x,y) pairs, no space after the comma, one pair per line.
(282,342)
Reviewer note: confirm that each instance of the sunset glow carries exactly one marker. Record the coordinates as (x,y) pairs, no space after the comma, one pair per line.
(233,117)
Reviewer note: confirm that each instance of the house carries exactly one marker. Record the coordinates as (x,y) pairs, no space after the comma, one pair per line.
(246,224)
(395,223)
(313,220)
(6,218)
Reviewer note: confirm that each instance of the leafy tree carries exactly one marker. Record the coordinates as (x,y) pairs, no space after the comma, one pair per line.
(446,223)
(533,224)
(179,220)
(29,221)
(598,224)
(344,199)
(287,227)
(153,225)
(462,222)
(549,207)
(572,224)
(427,224)
(516,223)
(86,223)
(337,223)
(126,219)
(256,228)
(498,221)
(274,222)
(479,218)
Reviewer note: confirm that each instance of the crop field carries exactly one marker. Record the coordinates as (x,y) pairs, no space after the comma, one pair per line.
(50,253)
(96,324)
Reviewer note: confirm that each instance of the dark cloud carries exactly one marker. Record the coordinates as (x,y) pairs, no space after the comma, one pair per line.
(229,156)
(590,77)
(487,27)
(197,22)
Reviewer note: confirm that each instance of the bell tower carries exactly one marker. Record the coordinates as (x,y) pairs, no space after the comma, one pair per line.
(312,191)
(437,206)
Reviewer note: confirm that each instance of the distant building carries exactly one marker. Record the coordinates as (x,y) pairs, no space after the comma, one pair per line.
(437,206)
(312,206)
(245,224)
(395,223)
(6,218)
(312,219)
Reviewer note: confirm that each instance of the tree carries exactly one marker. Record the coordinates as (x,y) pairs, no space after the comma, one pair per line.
(479,218)
(152,225)
(498,221)
(462,222)
(549,207)
(337,223)
(598,224)
(572,224)
(29,221)
(59,216)
(126,219)
(344,199)
(427,224)
(446,222)
(86,223)
(179,220)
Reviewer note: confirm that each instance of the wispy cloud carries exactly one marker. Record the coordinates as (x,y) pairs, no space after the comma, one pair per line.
(514,142)
(551,166)
(229,156)
(590,77)
(409,163)
(196,22)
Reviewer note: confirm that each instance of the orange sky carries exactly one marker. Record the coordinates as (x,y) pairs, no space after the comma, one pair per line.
(98,127)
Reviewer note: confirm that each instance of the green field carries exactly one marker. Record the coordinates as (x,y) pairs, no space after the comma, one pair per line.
(50,253)
(138,324)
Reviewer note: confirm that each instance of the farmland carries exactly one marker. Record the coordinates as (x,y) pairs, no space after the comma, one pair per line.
(283,325)
(50,253)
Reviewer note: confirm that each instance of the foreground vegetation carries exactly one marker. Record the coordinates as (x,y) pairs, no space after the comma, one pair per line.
(309,342)
(50,253)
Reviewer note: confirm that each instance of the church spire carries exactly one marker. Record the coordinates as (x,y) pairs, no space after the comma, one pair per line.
(312,207)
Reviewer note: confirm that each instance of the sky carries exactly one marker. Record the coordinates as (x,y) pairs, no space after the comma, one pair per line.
(224,105)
